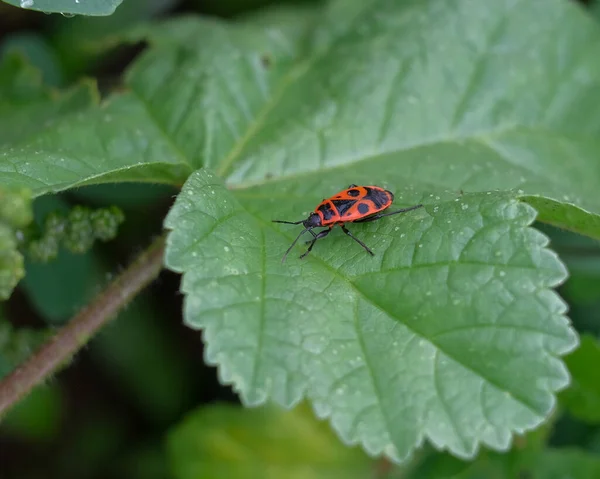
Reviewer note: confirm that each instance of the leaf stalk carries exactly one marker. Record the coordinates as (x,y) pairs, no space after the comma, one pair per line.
(76,333)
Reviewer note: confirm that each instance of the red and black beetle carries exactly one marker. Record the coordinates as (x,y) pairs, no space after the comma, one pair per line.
(355,204)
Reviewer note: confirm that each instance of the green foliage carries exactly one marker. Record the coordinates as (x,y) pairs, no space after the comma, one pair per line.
(154,374)
(546,464)
(595,8)
(17,344)
(76,231)
(496,120)
(69,7)
(39,53)
(23,97)
(582,399)
(486,112)
(222,441)
(38,416)
(81,40)
(15,214)
(225,442)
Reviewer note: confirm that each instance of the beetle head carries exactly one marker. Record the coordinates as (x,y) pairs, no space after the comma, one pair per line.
(312,221)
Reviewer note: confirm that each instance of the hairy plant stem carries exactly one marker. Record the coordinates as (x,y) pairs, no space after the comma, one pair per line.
(68,340)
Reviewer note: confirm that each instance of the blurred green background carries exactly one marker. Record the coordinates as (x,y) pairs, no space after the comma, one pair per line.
(110,412)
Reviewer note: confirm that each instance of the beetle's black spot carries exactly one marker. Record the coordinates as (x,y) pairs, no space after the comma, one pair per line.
(379,197)
(327,211)
(343,205)
(353,192)
(363,208)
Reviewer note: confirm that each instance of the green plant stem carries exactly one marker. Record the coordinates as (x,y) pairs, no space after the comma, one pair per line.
(68,340)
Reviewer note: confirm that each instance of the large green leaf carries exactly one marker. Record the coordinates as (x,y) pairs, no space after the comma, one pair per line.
(69,7)
(224,442)
(438,94)
(450,332)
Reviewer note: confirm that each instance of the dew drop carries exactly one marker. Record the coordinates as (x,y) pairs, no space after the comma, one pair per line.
(502,273)
(464,206)
(402,235)
(226,248)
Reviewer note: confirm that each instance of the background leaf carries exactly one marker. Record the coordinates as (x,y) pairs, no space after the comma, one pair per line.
(143,136)
(418,89)
(23,97)
(226,442)
(582,399)
(16,345)
(561,463)
(82,41)
(551,463)
(39,53)
(69,7)
(38,414)
(450,332)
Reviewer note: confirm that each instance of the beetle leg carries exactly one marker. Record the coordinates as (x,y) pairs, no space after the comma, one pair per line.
(357,240)
(321,234)
(315,235)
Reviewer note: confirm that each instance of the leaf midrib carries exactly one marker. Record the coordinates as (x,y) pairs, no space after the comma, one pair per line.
(480,137)
(297,71)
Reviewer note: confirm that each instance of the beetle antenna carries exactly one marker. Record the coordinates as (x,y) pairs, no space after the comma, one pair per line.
(292,245)
(289,222)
